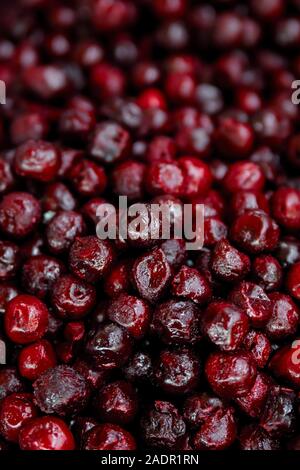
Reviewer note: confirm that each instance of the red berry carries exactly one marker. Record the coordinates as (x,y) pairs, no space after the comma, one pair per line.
(35,359)
(46,433)
(26,319)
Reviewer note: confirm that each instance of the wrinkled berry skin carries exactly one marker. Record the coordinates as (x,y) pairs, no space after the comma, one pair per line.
(46,433)
(217,433)
(186,110)
(117,403)
(177,322)
(225,325)
(20,214)
(151,274)
(109,346)
(39,274)
(62,231)
(162,426)
(255,232)
(177,373)
(90,258)
(284,319)
(228,264)
(254,300)
(198,407)
(72,298)
(191,284)
(109,143)
(279,414)
(9,260)
(38,160)
(132,313)
(61,390)
(268,272)
(10,381)
(253,437)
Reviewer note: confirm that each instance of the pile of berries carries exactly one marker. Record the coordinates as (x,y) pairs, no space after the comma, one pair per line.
(143,344)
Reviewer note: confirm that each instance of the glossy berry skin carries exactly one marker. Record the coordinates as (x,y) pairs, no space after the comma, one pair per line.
(139,369)
(288,251)
(234,139)
(26,319)
(20,214)
(117,403)
(254,301)
(286,208)
(93,376)
(109,437)
(177,372)
(197,176)
(177,322)
(6,176)
(90,258)
(63,229)
(109,346)
(151,274)
(284,364)
(225,325)
(199,407)
(15,410)
(72,298)
(218,432)
(253,402)
(38,160)
(61,390)
(255,232)
(230,374)
(244,176)
(131,313)
(191,285)
(258,346)
(39,274)
(253,437)
(284,319)
(74,331)
(292,281)
(268,272)
(46,433)
(35,359)
(242,201)
(162,426)
(109,143)
(228,263)
(278,417)
(117,280)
